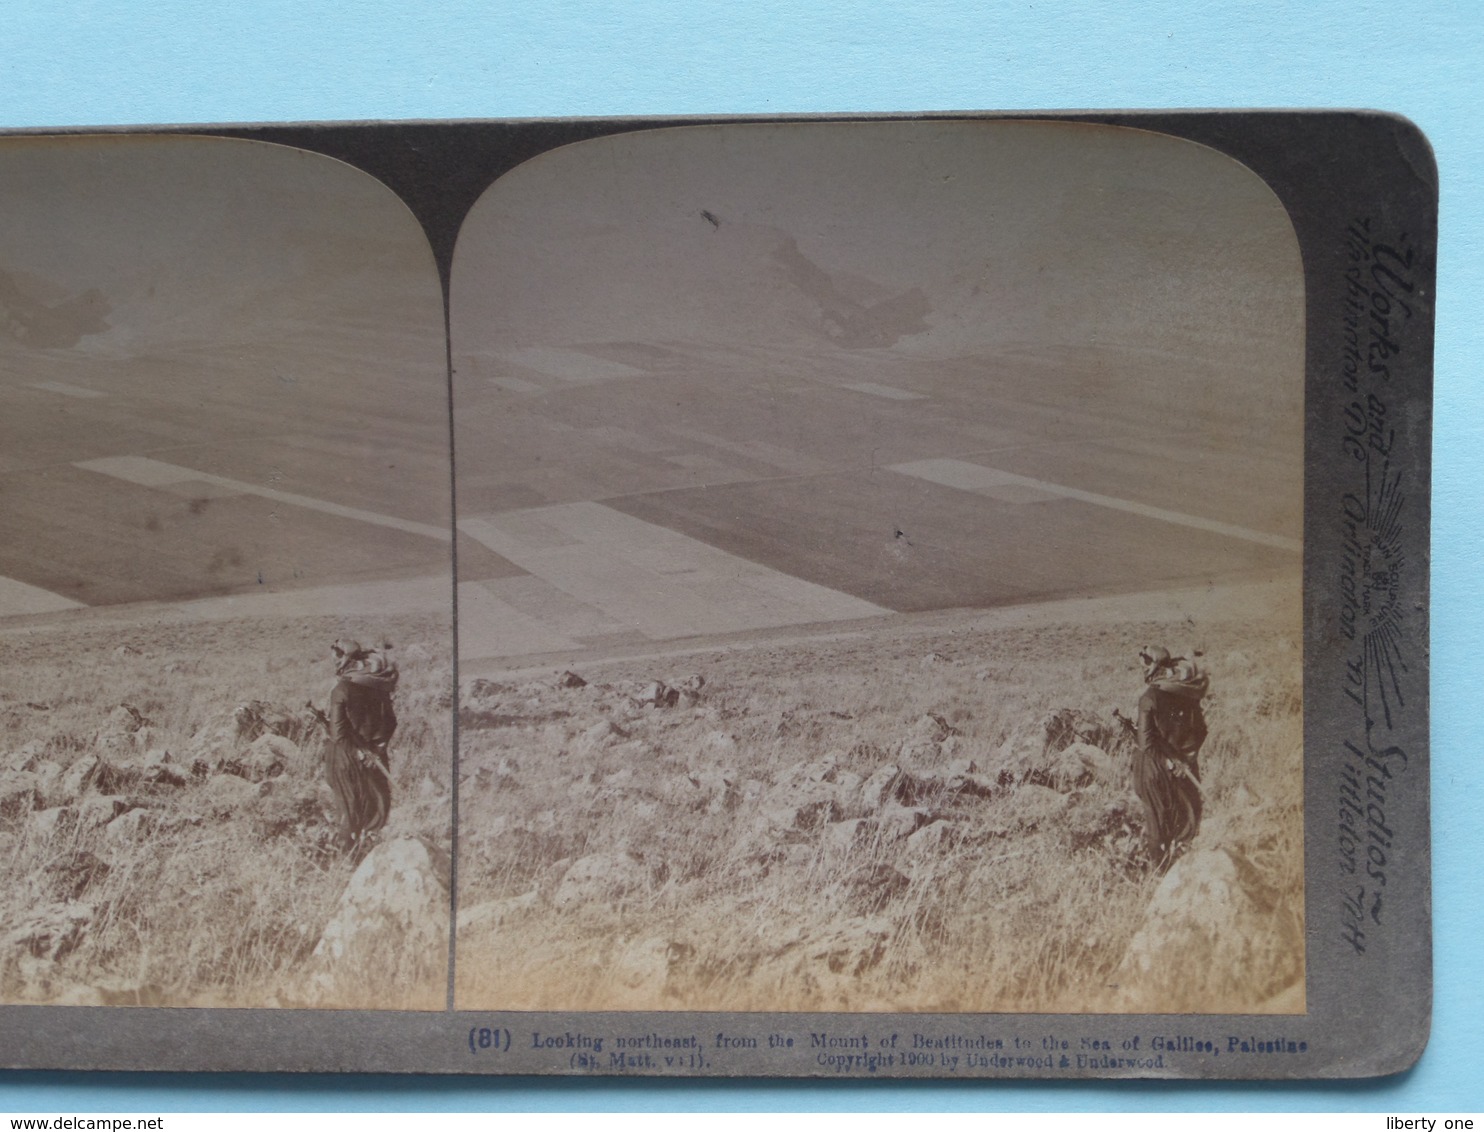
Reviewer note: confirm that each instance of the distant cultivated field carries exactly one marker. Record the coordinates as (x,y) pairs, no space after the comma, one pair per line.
(159,845)
(870,823)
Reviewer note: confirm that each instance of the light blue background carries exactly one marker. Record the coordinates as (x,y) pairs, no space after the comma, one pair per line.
(78,62)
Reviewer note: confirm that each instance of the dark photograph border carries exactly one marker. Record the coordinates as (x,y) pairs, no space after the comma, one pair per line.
(1361,192)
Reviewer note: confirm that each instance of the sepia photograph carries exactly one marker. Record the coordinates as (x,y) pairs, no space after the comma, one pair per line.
(225,593)
(879,571)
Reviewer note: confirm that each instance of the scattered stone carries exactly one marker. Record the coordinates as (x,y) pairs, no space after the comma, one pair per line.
(897,822)
(30,753)
(51,932)
(931,840)
(115,746)
(871,888)
(1033,804)
(483,689)
(115,776)
(153,771)
(599,737)
(74,875)
(1066,726)
(80,775)
(925,738)
(17,794)
(98,810)
(227,795)
(209,744)
(912,789)
(126,717)
(801,805)
(1061,768)
(805,776)
(688,691)
(599,878)
(876,791)
(570,679)
(847,786)
(49,790)
(48,822)
(658,695)
(268,756)
(934,727)
(969,784)
(159,769)
(718,792)
(842,835)
(259,717)
(1112,733)
(130,827)
(1098,766)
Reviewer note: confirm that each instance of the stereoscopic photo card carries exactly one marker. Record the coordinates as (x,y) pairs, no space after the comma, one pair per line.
(934,596)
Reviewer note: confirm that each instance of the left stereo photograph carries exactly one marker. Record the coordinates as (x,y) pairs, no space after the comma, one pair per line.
(225,581)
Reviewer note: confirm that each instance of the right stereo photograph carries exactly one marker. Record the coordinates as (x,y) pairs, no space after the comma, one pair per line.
(879,574)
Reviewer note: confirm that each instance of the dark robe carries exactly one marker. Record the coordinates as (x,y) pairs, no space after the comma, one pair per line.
(361,725)
(1172,727)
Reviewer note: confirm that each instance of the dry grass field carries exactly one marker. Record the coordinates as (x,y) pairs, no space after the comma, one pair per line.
(164,828)
(929,817)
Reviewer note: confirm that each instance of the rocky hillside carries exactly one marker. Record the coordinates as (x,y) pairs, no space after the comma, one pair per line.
(165,832)
(915,822)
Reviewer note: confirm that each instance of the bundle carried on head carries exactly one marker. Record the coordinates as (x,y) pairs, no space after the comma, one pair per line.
(1175,674)
(371,667)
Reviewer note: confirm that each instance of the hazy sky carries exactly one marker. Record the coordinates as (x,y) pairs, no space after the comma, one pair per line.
(1016,231)
(192,239)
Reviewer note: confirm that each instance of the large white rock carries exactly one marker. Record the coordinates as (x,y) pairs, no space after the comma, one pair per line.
(1199,900)
(396,899)
(1210,941)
